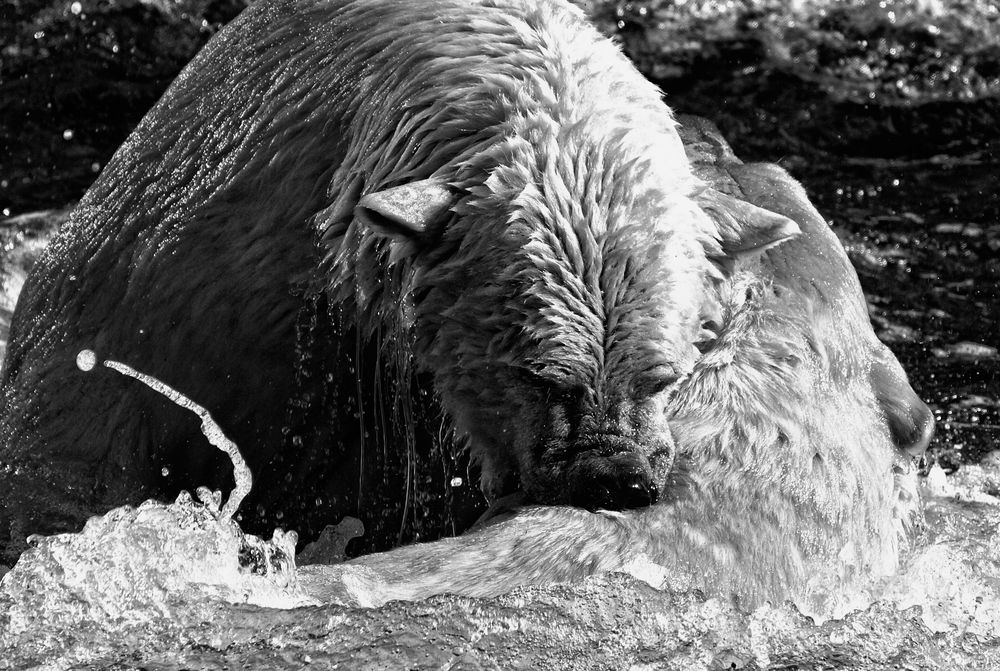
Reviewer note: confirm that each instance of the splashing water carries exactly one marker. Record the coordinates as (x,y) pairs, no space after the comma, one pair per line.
(155,563)
(87,359)
(170,586)
(180,585)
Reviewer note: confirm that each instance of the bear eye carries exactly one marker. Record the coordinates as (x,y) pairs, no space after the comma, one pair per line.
(555,391)
(654,383)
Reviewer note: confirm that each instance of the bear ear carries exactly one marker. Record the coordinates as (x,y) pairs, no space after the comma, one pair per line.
(405,211)
(743,227)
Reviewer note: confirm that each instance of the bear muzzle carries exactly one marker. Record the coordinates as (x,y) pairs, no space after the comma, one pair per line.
(610,472)
(615,455)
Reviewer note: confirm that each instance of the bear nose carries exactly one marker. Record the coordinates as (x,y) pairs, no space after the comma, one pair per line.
(636,491)
(921,436)
(911,422)
(912,426)
(613,483)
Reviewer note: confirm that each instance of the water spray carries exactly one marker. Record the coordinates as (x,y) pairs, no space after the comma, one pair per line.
(87,359)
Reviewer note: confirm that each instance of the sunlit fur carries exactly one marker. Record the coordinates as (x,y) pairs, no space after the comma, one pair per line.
(575,262)
(787,482)
(565,291)
(569,278)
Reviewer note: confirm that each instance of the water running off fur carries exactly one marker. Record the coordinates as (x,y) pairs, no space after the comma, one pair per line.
(87,359)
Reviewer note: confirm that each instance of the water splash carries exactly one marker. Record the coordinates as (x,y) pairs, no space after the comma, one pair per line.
(87,359)
(180,585)
(169,586)
(136,574)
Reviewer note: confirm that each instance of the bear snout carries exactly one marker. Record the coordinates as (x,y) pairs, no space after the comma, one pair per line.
(913,427)
(604,479)
(910,420)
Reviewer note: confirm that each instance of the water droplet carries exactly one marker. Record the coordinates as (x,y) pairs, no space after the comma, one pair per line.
(86,360)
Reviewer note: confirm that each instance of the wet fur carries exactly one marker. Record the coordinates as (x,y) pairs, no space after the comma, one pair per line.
(788,482)
(570,273)
(566,292)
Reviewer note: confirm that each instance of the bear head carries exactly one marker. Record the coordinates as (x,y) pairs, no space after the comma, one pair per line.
(559,288)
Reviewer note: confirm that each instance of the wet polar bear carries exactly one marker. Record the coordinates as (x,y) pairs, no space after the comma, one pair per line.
(345,212)
(795,434)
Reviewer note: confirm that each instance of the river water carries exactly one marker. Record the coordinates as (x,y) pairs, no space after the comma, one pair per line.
(170,587)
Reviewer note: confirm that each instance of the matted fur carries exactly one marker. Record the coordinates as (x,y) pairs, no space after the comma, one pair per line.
(554,307)
(788,483)
(568,279)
